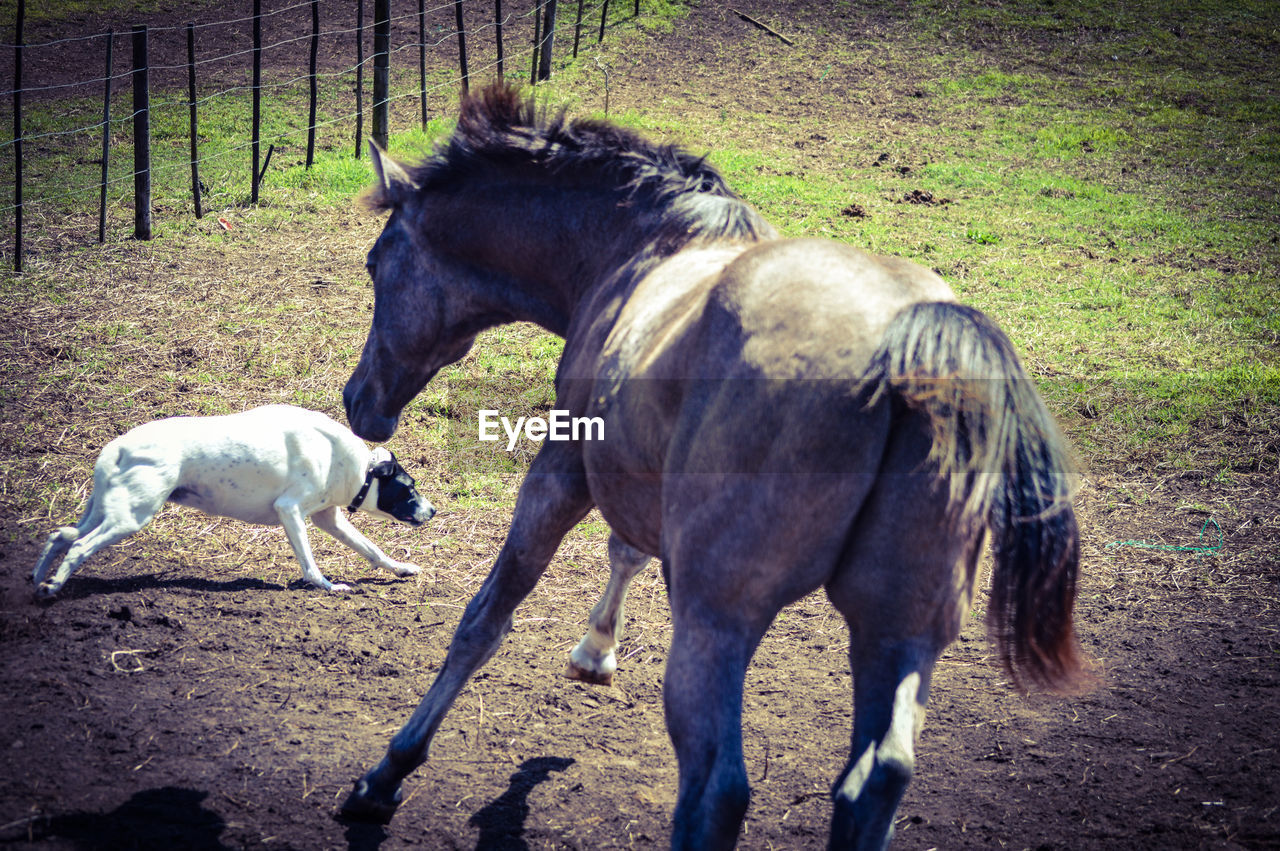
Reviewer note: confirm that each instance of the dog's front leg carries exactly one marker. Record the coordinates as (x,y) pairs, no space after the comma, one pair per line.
(295,526)
(331,520)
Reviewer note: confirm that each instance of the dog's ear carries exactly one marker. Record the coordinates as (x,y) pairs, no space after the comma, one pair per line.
(383,462)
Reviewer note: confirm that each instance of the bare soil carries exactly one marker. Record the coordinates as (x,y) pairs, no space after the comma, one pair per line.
(188,691)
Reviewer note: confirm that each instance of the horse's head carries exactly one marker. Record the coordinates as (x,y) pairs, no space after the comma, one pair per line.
(418,326)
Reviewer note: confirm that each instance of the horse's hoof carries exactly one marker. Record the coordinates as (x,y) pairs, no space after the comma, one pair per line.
(359,806)
(576,672)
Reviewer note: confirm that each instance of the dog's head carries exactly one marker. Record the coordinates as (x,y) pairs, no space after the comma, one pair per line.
(392,493)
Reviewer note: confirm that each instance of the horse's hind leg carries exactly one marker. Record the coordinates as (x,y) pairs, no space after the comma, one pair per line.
(702,698)
(904,592)
(890,690)
(593,660)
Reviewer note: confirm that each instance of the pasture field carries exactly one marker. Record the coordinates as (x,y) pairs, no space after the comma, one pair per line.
(1099,177)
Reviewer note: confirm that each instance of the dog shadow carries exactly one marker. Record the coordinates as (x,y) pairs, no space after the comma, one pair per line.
(80,587)
(168,817)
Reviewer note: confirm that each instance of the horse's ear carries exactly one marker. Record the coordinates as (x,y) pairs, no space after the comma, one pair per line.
(394,185)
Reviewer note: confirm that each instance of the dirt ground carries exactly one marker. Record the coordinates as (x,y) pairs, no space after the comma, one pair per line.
(188,691)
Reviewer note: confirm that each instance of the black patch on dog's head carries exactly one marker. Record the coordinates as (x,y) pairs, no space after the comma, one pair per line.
(398,495)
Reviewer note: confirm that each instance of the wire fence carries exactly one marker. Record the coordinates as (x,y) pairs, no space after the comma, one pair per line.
(325,74)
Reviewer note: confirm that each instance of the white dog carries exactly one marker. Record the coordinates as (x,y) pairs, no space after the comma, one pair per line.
(274,465)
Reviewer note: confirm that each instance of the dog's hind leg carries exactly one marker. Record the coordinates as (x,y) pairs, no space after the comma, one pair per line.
(60,540)
(114,513)
(295,527)
(331,520)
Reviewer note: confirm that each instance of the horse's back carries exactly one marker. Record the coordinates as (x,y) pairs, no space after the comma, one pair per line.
(816,307)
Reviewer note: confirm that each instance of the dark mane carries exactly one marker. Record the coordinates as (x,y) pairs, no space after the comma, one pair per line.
(502,128)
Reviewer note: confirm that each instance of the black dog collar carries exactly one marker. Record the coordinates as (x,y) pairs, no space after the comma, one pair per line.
(364,491)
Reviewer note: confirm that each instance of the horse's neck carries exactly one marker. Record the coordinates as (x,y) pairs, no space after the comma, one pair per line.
(542,253)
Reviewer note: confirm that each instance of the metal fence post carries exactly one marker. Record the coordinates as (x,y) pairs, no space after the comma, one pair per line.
(106,137)
(359,77)
(311,76)
(141,136)
(256,142)
(462,46)
(381,70)
(191,92)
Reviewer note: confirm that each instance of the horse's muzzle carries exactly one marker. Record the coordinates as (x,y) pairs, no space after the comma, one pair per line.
(365,420)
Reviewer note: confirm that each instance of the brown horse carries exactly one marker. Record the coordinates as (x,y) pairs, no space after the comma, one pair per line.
(779,416)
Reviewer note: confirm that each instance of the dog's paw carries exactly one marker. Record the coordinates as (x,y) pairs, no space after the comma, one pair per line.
(46,592)
(404,568)
(340,588)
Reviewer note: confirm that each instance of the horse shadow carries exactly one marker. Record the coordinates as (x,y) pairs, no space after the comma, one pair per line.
(501,821)
(168,817)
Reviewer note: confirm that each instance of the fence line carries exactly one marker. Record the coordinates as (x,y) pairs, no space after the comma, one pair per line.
(108,186)
(126,180)
(123,75)
(48,131)
(209,98)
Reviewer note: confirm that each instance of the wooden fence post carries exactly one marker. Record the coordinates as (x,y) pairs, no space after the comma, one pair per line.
(256,142)
(537,40)
(311,76)
(577,29)
(359,77)
(497,25)
(462,46)
(141,136)
(17,135)
(106,137)
(604,14)
(548,40)
(381,70)
(422,57)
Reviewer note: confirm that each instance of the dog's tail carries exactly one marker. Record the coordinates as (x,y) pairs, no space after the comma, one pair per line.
(1007,468)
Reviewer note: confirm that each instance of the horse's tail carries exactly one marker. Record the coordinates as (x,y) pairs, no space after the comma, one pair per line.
(1007,469)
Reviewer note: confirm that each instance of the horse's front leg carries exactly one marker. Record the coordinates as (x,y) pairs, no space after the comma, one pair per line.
(593,660)
(553,497)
